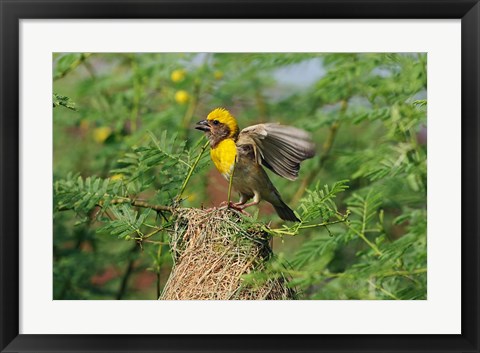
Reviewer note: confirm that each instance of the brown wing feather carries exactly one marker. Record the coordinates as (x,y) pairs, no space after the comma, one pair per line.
(281,148)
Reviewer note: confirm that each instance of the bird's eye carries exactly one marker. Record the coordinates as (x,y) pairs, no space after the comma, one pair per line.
(216,122)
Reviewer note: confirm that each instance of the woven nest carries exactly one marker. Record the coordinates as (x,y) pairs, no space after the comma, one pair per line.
(212,252)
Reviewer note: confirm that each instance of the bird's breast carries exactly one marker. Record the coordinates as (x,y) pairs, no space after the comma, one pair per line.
(223,156)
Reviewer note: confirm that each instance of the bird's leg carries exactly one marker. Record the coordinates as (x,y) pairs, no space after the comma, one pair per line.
(231,204)
(243,206)
(235,205)
(256,200)
(242,200)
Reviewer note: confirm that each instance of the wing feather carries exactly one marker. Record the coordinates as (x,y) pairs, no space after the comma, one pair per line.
(280,148)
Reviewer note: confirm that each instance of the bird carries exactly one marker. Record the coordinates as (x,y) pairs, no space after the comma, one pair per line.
(280,148)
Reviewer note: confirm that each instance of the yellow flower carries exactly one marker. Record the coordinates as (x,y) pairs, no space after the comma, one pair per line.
(177,75)
(218,75)
(182,97)
(116,177)
(100,134)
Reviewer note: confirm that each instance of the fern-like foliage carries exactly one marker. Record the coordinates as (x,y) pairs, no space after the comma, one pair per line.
(320,202)
(383,268)
(63,101)
(163,163)
(365,214)
(83,194)
(317,251)
(126,222)
(318,210)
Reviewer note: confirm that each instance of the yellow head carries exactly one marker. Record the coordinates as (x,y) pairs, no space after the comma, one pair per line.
(223,116)
(219,125)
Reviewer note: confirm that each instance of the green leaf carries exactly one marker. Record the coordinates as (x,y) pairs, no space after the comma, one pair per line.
(63,101)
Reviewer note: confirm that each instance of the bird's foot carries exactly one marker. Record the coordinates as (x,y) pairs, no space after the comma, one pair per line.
(230,204)
(237,206)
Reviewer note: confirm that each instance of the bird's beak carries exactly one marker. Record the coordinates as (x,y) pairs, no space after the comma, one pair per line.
(202,125)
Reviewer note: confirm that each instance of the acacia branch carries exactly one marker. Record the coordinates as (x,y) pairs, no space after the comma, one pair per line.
(295,229)
(143,204)
(137,203)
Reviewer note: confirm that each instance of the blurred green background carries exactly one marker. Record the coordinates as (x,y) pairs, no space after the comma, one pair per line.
(366,112)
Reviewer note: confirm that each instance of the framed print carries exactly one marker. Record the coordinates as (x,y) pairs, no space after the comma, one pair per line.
(230,176)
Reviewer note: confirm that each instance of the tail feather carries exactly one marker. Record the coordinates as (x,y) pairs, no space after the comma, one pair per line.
(285,212)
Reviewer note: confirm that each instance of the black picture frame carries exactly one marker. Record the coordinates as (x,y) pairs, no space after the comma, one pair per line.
(12,11)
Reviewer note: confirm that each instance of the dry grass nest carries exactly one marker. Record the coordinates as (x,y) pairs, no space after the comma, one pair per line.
(213,250)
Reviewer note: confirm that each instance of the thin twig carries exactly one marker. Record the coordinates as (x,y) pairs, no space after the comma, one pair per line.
(190,172)
(143,204)
(384,291)
(295,229)
(73,66)
(365,239)
(121,200)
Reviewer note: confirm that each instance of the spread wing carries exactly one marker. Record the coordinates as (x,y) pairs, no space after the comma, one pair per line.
(278,147)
